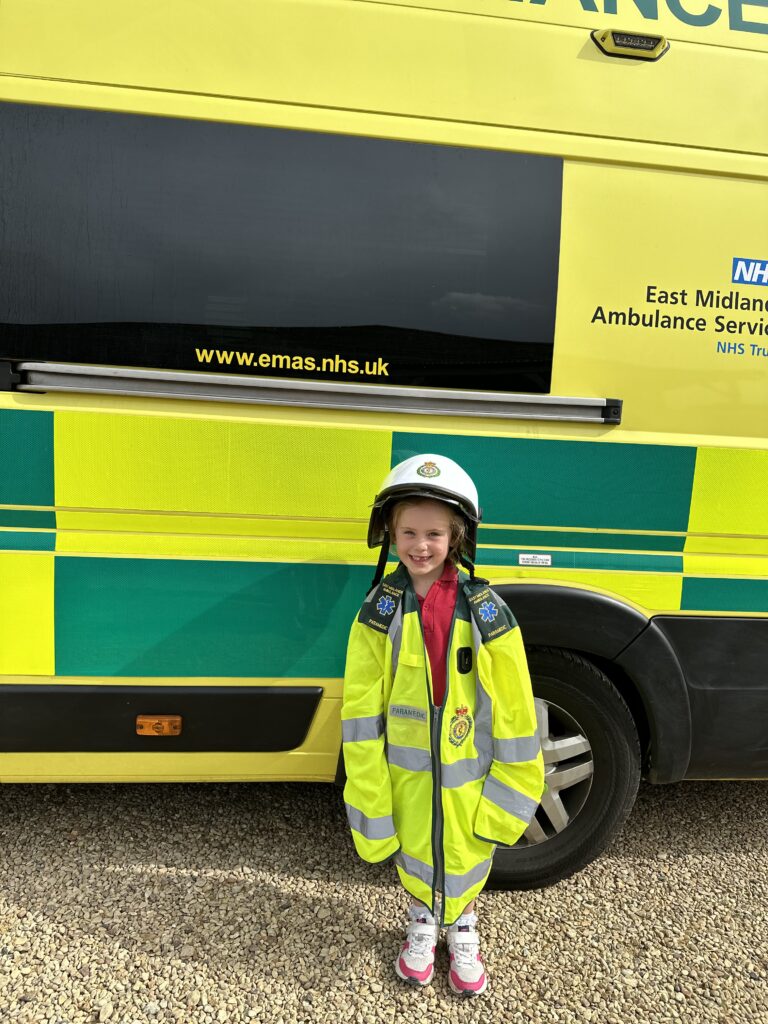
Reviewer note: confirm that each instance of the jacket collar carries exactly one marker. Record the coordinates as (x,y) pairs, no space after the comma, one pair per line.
(399,577)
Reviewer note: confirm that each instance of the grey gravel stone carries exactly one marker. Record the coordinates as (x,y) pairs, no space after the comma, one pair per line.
(209,904)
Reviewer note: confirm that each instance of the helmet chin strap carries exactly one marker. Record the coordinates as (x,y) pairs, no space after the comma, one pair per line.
(468,566)
(383,555)
(471,570)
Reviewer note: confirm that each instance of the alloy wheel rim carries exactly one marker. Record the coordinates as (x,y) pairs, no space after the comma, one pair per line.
(568,773)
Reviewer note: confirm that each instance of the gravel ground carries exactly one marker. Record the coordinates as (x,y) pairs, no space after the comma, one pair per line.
(153,904)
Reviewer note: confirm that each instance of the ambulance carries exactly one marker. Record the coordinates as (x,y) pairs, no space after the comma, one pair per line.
(253,254)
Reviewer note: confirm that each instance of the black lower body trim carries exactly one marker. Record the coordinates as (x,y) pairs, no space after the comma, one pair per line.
(55,718)
(724,660)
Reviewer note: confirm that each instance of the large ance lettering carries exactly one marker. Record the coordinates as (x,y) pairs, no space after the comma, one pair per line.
(684,10)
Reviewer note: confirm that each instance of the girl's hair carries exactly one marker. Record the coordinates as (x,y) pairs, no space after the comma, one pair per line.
(458,525)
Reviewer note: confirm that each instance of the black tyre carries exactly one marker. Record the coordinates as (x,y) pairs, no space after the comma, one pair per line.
(592,764)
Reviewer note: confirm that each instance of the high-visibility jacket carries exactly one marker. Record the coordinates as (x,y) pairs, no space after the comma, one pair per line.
(437,788)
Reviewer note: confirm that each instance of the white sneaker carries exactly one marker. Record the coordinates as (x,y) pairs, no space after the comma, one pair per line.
(466,971)
(416,962)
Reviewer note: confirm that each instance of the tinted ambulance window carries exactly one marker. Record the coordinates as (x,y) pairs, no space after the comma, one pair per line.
(153,241)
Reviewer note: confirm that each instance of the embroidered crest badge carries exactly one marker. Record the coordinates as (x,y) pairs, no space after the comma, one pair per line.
(461,723)
(429,470)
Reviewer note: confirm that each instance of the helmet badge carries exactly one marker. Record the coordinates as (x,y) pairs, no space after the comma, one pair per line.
(429,470)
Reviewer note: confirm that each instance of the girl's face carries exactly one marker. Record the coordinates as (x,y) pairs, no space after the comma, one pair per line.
(422,540)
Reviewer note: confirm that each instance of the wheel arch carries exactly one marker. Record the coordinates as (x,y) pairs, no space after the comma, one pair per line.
(629,648)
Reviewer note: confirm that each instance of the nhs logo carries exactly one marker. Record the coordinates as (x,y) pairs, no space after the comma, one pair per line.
(749,271)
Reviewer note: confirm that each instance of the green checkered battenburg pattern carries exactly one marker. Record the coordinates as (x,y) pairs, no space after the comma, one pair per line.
(26,458)
(26,478)
(577,484)
(196,616)
(203,618)
(570,483)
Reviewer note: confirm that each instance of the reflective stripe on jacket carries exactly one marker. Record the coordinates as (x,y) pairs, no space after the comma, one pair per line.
(438,787)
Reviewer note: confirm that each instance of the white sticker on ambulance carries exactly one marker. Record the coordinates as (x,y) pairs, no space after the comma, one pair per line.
(535,560)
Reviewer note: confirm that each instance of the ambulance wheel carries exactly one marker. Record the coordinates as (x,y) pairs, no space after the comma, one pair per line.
(592,770)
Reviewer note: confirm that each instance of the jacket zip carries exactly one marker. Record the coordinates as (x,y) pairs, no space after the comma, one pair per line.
(436,723)
(437,812)
(439,737)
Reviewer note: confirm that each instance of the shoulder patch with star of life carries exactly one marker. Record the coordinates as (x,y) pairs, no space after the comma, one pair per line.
(491,615)
(380,607)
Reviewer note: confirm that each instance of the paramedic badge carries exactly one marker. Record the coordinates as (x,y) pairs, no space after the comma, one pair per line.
(460,725)
(488,611)
(429,470)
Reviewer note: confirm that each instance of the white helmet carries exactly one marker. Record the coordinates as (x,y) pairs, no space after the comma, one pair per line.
(427,476)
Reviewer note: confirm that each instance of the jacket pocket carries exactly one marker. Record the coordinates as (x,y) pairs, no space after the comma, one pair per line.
(411,659)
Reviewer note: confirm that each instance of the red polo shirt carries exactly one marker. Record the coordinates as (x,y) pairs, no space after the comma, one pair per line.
(436,617)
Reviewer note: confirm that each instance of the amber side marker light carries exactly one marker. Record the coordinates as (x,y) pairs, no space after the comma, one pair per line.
(630,45)
(158,725)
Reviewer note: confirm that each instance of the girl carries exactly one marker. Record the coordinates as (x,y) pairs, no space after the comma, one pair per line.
(439,728)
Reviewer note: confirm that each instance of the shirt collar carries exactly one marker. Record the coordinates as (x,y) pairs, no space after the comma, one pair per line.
(450,573)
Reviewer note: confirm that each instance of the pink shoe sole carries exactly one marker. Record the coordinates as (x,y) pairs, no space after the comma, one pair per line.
(419,980)
(468,992)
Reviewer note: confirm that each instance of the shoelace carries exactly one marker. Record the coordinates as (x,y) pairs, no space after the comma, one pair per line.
(465,953)
(420,944)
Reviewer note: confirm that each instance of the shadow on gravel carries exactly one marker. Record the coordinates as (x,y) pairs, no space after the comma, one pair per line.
(252,895)
(300,829)
(248,874)
(232,871)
